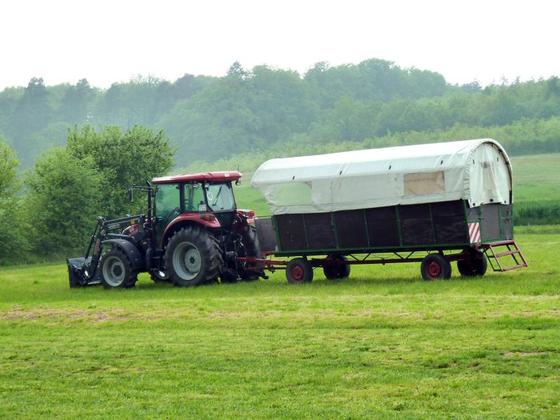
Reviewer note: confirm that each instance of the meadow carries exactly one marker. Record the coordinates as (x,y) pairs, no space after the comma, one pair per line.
(536,177)
(382,343)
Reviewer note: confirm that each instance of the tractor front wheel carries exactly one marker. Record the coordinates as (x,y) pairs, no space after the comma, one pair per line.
(116,270)
(193,257)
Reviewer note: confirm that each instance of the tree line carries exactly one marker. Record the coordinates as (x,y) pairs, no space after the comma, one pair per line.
(51,210)
(69,152)
(210,118)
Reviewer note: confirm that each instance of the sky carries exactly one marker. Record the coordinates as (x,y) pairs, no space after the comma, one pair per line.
(103,41)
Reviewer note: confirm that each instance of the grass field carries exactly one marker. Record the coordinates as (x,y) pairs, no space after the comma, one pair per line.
(537,177)
(380,344)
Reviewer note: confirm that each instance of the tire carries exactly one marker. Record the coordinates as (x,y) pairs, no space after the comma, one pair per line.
(435,266)
(193,257)
(480,264)
(116,270)
(299,271)
(251,248)
(475,265)
(336,267)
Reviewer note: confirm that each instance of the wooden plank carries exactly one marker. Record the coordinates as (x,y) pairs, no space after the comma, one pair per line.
(505,253)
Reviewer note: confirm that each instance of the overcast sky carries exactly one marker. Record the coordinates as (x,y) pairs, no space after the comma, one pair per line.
(108,41)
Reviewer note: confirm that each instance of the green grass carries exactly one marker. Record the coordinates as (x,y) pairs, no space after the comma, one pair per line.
(538,229)
(537,189)
(537,177)
(380,344)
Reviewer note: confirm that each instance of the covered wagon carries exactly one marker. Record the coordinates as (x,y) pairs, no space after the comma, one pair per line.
(451,201)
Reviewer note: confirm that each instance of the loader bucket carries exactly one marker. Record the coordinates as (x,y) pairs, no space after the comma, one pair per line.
(77,271)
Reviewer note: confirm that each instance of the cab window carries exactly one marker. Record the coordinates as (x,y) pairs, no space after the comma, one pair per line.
(167,200)
(220,197)
(194,198)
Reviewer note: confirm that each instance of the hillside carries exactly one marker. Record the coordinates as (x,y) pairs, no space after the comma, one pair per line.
(262,109)
(144,128)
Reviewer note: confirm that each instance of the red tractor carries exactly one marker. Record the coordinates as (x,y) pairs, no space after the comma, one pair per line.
(191,234)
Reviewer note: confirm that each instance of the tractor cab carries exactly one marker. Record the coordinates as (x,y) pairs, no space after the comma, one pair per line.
(201,197)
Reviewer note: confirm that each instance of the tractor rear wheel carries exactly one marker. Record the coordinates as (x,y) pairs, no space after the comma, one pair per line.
(336,267)
(116,270)
(435,266)
(193,257)
(251,248)
(298,271)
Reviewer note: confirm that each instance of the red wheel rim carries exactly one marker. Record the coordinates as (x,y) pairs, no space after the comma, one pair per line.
(434,269)
(297,272)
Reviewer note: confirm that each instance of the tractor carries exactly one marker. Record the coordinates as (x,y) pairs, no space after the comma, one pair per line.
(191,234)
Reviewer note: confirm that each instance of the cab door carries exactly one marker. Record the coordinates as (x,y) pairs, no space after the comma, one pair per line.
(167,207)
(194,201)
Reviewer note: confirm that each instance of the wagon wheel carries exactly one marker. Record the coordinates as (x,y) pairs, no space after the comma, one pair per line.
(336,267)
(435,266)
(298,271)
(475,264)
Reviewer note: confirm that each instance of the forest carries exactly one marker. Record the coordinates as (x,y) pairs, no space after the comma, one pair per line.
(68,152)
(210,118)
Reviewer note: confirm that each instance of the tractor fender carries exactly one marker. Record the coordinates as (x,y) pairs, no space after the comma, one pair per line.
(205,220)
(131,251)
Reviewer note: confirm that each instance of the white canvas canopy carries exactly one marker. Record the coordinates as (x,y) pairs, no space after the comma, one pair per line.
(475,170)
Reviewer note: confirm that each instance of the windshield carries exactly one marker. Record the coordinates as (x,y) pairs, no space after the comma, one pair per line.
(220,197)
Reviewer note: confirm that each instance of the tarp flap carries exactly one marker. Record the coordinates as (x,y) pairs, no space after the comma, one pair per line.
(475,170)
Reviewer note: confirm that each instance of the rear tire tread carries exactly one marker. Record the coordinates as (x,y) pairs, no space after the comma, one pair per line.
(209,248)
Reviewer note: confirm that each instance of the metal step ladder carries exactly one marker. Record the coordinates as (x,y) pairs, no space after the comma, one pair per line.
(493,253)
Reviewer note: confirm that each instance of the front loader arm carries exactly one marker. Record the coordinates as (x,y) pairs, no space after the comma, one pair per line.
(82,270)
